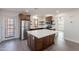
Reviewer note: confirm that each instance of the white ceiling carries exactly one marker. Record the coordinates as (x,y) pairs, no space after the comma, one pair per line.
(40,11)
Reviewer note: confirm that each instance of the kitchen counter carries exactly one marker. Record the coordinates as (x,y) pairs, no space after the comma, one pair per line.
(40,39)
(41,33)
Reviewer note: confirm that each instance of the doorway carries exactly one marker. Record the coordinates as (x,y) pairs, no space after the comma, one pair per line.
(60,27)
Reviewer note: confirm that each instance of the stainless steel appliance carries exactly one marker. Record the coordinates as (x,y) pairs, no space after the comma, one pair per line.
(25,26)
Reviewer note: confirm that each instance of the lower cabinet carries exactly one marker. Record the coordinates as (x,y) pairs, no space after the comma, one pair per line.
(36,44)
(46,42)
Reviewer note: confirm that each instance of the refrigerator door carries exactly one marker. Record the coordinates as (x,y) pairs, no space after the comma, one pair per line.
(25,28)
(22,30)
(27,25)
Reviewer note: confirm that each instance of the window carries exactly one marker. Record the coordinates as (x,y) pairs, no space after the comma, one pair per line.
(36,22)
(10,27)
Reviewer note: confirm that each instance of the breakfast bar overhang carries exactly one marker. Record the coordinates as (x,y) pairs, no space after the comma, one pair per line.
(40,39)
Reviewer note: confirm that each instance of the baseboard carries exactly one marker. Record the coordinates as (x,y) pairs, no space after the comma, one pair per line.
(71,40)
(9,40)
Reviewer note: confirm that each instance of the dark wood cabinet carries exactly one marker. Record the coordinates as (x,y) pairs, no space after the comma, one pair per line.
(24,17)
(28,17)
(51,40)
(49,18)
(36,44)
(46,42)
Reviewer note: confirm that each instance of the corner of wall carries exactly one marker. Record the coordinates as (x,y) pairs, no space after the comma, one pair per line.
(69,39)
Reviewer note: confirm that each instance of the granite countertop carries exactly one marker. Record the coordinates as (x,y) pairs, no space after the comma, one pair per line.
(41,33)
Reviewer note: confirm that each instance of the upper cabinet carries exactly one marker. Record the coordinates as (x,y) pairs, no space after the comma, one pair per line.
(24,16)
(49,18)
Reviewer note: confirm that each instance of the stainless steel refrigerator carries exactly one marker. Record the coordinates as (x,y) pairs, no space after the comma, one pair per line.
(25,26)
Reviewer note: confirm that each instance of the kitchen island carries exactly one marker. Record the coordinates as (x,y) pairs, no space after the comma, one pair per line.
(40,39)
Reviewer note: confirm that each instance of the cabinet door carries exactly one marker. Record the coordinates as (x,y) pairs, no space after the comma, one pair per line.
(38,44)
(51,40)
(28,18)
(28,40)
(32,42)
(24,17)
(46,41)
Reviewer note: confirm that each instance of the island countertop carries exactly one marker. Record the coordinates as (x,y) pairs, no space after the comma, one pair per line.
(41,33)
